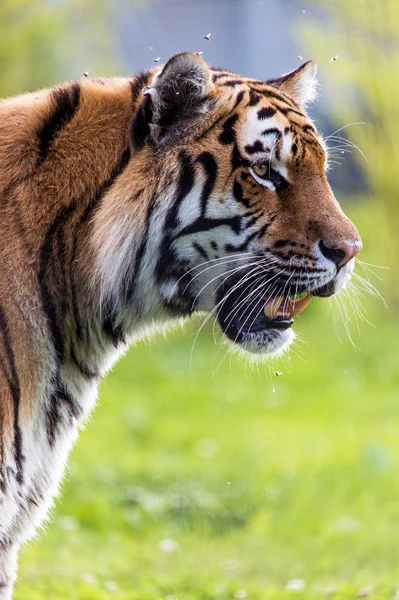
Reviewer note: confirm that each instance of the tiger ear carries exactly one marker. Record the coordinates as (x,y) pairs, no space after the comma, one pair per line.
(179,97)
(300,84)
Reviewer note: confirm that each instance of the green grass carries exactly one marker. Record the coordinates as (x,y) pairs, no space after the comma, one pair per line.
(193,483)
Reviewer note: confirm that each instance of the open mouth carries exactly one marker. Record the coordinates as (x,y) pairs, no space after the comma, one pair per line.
(240,316)
(260,323)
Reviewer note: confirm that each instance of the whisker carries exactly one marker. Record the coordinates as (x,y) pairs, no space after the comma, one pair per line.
(345,127)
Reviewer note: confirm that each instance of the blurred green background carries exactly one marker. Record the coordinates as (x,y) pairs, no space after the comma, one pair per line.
(204,478)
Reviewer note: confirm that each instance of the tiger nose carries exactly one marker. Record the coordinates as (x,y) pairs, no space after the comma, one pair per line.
(340,254)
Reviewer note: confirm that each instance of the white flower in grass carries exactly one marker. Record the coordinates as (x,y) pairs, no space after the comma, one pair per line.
(229,565)
(330,589)
(168,546)
(295,585)
(206,448)
(111,586)
(89,578)
(68,523)
(364,592)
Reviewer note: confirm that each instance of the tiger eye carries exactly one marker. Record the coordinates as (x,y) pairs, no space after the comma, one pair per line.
(260,170)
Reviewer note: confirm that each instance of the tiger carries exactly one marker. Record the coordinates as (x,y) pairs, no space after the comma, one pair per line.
(131,203)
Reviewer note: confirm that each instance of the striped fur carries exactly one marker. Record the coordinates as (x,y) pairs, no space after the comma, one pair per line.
(123,203)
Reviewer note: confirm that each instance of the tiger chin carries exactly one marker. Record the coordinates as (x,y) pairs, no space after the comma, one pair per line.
(128,203)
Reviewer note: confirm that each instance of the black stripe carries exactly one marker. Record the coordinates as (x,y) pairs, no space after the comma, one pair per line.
(272,130)
(266,113)
(265,227)
(254,98)
(15,390)
(237,160)
(228,135)
(66,103)
(206,224)
(112,329)
(286,110)
(270,92)
(129,286)
(238,194)
(184,187)
(200,250)
(233,82)
(283,243)
(211,169)
(217,76)
(240,96)
(250,237)
(60,397)
(307,128)
(252,220)
(46,256)
(243,246)
(255,147)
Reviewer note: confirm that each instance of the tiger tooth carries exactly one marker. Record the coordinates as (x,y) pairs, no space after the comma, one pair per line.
(272,308)
(297,306)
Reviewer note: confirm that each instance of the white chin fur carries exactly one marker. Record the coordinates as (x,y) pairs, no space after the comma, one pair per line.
(271,342)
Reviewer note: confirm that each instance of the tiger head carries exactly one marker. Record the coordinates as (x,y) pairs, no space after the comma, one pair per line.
(241,221)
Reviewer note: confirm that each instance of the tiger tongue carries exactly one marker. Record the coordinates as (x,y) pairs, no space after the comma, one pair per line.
(285,308)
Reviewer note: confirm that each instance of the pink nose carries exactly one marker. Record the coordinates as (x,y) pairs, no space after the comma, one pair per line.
(342,253)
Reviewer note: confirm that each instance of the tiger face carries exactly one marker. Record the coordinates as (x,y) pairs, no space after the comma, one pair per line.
(249,228)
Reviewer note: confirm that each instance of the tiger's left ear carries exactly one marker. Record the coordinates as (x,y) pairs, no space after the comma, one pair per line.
(179,97)
(300,84)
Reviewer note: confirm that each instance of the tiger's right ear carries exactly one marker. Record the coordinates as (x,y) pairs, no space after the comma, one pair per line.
(174,101)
